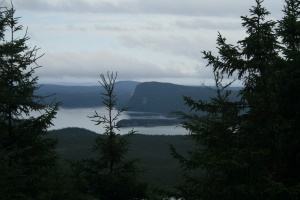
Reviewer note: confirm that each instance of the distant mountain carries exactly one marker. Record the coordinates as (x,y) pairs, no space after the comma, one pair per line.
(167,97)
(154,97)
(85,96)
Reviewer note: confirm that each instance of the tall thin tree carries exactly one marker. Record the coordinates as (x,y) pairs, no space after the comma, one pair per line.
(263,150)
(26,155)
(111,175)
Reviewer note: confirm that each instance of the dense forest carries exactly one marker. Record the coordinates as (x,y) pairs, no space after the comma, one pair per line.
(154,97)
(158,167)
(86,96)
(246,147)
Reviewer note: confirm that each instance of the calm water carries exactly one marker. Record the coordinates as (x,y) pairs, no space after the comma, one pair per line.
(79,118)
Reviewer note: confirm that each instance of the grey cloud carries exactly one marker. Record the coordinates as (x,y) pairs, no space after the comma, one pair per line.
(72,27)
(132,27)
(111,28)
(191,7)
(92,65)
(188,46)
(170,7)
(197,24)
(77,6)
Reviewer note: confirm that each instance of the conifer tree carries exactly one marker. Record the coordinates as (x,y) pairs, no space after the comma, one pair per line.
(287,173)
(263,150)
(110,175)
(27,157)
(212,169)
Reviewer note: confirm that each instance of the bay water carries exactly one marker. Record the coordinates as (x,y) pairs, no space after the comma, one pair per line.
(78,117)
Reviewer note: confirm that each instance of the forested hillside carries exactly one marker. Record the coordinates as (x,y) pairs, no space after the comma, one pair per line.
(167,97)
(153,151)
(153,97)
(242,144)
(85,96)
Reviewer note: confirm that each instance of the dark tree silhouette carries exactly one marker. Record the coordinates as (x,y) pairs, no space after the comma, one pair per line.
(110,175)
(256,155)
(27,157)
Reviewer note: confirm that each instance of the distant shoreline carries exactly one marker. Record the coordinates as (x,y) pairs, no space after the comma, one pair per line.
(148,122)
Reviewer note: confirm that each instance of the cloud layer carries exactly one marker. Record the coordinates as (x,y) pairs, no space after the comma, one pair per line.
(170,7)
(141,39)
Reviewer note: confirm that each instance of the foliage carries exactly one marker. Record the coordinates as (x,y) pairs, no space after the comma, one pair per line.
(250,149)
(110,175)
(160,170)
(86,96)
(218,149)
(165,97)
(27,158)
(286,173)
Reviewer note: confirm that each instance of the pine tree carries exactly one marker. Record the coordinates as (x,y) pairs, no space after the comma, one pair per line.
(110,175)
(213,170)
(27,157)
(287,173)
(265,157)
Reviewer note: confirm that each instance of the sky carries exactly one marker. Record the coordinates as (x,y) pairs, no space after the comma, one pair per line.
(141,40)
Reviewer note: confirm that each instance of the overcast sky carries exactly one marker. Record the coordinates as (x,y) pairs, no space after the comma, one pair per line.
(143,40)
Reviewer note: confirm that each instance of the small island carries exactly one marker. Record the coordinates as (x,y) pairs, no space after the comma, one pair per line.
(148,122)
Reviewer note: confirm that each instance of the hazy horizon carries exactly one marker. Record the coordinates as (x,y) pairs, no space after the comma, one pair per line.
(206,83)
(149,39)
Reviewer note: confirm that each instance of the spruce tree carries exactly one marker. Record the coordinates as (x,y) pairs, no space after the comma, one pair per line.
(287,173)
(27,157)
(111,175)
(214,168)
(263,162)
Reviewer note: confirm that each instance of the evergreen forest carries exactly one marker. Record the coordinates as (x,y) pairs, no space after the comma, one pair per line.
(246,147)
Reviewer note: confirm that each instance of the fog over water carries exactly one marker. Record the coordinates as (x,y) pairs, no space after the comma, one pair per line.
(78,117)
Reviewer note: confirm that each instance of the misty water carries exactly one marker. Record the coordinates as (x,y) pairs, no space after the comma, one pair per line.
(78,117)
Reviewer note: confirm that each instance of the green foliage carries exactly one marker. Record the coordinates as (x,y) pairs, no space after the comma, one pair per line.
(287,173)
(165,97)
(249,149)
(111,175)
(86,96)
(160,170)
(27,158)
(218,149)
